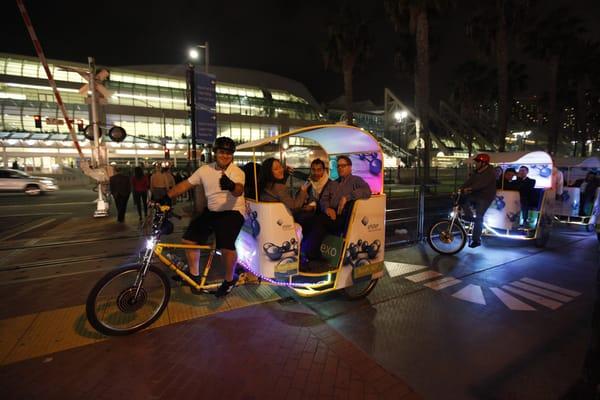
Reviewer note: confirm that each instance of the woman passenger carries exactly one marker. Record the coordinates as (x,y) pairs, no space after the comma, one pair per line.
(273,188)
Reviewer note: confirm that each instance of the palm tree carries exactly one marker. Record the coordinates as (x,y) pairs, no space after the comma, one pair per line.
(550,40)
(415,15)
(494,26)
(347,48)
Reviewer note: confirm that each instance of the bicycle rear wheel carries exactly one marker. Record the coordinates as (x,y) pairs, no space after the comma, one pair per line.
(112,307)
(360,290)
(446,241)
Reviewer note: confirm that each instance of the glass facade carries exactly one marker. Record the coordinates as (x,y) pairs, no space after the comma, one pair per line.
(149,106)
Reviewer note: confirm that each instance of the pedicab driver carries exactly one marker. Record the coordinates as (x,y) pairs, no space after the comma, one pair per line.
(479,190)
(223,184)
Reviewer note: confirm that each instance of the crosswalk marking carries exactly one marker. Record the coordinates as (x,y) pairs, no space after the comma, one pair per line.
(395,269)
(511,302)
(471,293)
(541,291)
(423,276)
(555,288)
(442,283)
(545,294)
(533,297)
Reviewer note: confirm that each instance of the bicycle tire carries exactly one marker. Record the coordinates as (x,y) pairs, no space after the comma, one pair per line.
(360,292)
(109,316)
(456,225)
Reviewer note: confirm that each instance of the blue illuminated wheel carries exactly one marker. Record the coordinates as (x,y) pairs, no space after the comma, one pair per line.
(446,237)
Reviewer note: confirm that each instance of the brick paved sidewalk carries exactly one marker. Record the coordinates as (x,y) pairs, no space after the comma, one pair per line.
(267,351)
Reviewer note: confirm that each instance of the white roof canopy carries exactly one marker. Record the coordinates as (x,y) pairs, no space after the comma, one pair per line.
(519,157)
(334,139)
(578,162)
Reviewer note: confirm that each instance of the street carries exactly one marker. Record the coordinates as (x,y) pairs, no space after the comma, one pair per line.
(506,320)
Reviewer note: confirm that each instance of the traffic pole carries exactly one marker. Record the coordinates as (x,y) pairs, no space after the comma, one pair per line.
(101,204)
(40,53)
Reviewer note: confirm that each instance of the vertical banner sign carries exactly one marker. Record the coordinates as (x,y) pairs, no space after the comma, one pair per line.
(206,107)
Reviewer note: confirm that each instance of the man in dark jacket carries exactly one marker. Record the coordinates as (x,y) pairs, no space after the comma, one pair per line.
(478,191)
(526,193)
(120,187)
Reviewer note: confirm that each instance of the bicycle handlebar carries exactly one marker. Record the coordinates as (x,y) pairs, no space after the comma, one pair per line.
(165,208)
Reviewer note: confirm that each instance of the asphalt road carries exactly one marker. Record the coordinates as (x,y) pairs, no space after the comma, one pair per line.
(506,320)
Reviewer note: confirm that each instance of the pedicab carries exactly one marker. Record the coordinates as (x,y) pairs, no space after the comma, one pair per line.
(268,245)
(504,218)
(133,297)
(569,209)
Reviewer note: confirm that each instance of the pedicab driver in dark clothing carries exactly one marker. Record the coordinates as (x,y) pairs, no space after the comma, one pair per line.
(223,184)
(478,191)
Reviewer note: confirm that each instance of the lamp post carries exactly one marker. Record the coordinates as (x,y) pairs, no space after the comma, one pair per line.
(194,55)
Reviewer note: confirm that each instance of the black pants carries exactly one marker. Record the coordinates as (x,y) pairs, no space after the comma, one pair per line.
(316,228)
(480,207)
(121,203)
(140,198)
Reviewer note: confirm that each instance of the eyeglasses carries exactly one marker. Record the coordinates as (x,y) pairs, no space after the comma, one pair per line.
(343,165)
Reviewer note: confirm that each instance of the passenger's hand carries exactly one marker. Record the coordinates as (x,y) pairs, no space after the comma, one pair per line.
(331,213)
(226,183)
(341,205)
(309,207)
(305,186)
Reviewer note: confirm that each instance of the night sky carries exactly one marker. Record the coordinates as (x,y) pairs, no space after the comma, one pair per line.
(275,36)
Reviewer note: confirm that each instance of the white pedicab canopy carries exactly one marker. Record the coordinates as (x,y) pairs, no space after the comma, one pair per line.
(539,164)
(578,162)
(358,144)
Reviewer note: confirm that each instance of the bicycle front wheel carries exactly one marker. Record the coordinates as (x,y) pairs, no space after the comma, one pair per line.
(445,240)
(113,308)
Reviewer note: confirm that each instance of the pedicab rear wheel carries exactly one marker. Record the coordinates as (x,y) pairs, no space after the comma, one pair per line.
(360,289)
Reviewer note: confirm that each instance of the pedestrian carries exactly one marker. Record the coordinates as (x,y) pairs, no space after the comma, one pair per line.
(120,187)
(140,184)
(161,181)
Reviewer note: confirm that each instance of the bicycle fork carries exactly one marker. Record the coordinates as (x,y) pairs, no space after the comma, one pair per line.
(145,264)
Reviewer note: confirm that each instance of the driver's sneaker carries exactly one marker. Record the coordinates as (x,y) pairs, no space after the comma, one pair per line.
(226,287)
(474,244)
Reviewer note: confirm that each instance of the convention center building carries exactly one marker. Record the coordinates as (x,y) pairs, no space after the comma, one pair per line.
(149,102)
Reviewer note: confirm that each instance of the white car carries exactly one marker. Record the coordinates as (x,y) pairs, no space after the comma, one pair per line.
(13,180)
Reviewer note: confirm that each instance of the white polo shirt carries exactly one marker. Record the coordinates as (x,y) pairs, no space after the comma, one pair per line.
(219,200)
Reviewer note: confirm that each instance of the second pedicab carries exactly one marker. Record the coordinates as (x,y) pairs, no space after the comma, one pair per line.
(504,217)
(575,206)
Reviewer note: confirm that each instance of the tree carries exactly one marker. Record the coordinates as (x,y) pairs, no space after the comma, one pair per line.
(347,48)
(549,40)
(414,14)
(494,26)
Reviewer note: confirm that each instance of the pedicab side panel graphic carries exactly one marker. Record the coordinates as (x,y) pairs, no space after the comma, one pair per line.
(268,242)
(365,242)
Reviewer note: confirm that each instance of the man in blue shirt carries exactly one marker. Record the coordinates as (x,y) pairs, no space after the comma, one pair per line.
(335,206)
